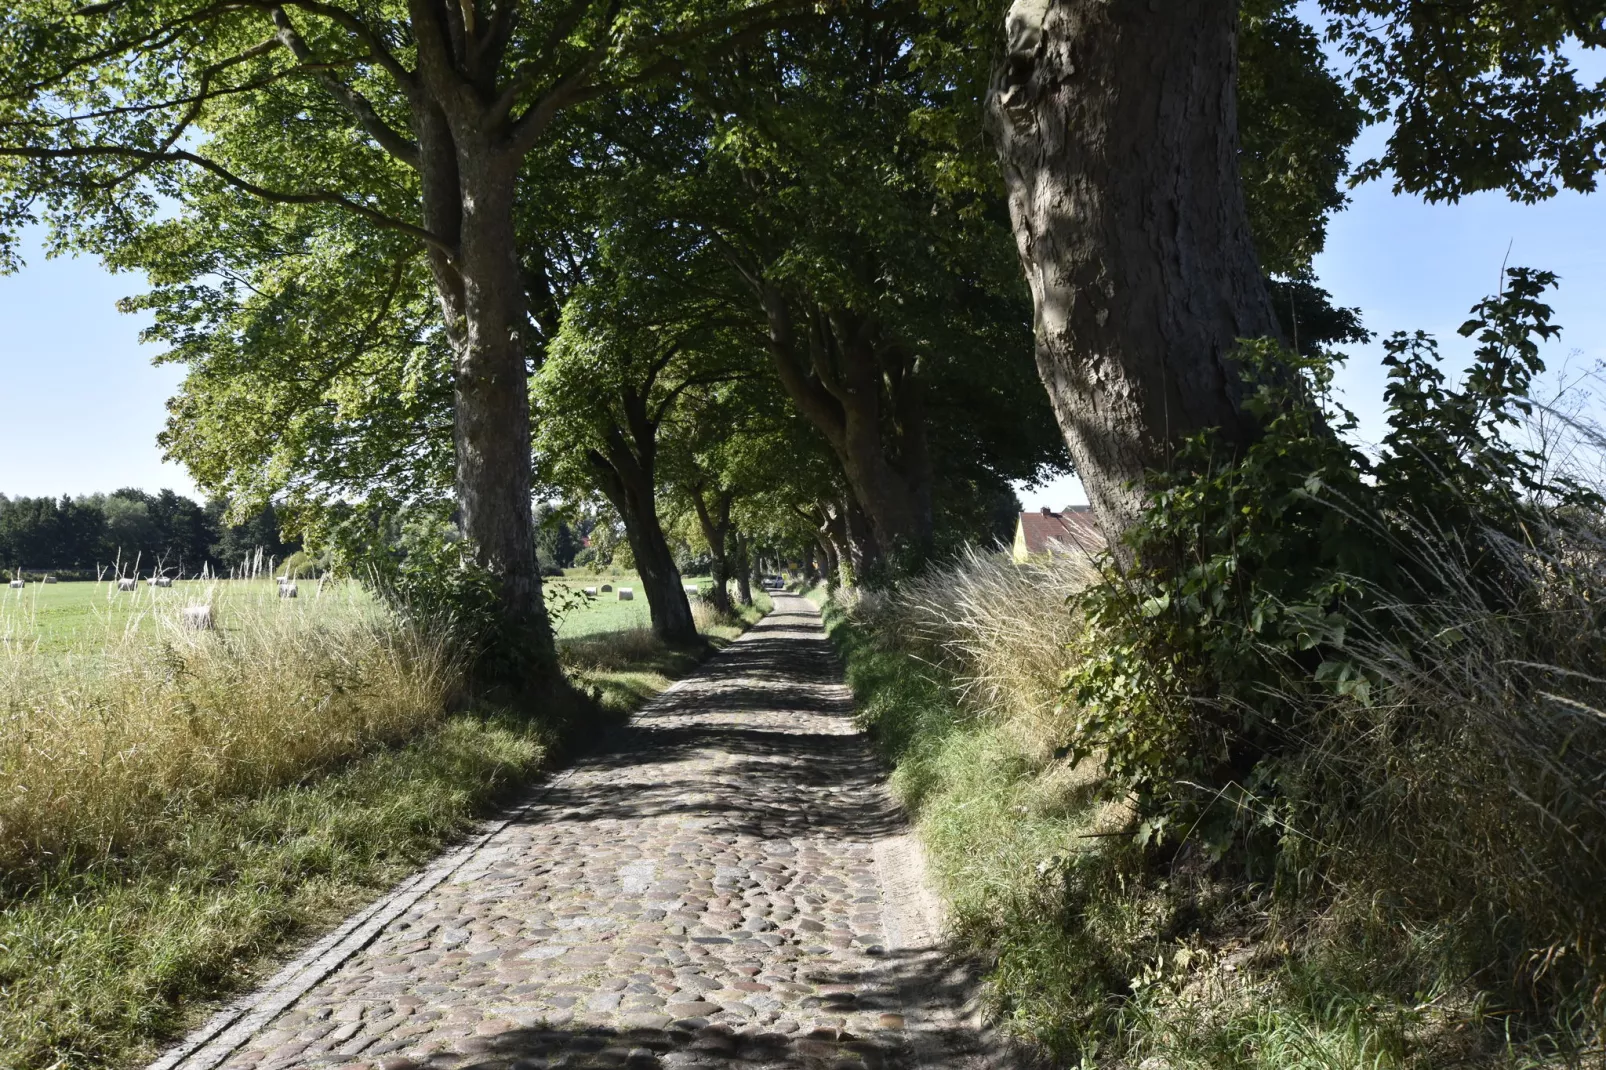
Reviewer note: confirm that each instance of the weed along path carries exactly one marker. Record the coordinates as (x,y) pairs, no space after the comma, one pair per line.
(726,885)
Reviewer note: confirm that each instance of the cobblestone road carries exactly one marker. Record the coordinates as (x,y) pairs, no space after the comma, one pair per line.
(726,885)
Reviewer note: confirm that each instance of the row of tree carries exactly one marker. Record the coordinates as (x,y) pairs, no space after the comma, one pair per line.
(130,527)
(746,259)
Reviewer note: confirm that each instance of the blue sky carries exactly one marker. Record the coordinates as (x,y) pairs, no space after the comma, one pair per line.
(83,403)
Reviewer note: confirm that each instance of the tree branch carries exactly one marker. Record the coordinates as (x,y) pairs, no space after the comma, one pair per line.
(159,37)
(524,80)
(406,79)
(358,105)
(527,128)
(373,215)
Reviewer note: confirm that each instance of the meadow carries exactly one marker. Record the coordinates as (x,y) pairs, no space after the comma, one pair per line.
(60,618)
(178,806)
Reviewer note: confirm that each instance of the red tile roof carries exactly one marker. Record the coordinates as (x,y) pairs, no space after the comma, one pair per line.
(1073,528)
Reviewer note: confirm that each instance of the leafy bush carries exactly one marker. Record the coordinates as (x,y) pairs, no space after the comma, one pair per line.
(1377,684)
(418,563)
(1319,777)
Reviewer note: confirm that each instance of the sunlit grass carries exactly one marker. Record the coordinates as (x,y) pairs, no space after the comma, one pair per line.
(177,806)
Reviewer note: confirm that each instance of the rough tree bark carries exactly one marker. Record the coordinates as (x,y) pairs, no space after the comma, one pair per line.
(862,549)
(467,183)
(491,414)
(1116,123)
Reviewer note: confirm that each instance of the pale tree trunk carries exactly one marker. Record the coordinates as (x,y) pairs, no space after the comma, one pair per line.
(1116,123)
(744,584)
(835,532)
(468,199)
(828,566)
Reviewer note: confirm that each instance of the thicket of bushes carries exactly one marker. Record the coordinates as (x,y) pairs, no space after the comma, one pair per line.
(1318,776)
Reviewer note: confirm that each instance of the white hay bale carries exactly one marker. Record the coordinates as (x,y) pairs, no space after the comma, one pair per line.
(164,581)
(128,585)
(626,594)
(50,579)
(592,591)
(287,590)
(197,618)
(16,584)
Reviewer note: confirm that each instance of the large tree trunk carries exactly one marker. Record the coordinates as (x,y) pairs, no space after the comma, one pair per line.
(863,550)
(630,486)
(468,195)
(1116,122)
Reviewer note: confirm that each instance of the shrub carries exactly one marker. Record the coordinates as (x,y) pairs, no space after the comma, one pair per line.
(1377,684)
(1326,783)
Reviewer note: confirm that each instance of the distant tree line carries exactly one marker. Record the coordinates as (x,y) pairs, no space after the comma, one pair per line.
(164,530)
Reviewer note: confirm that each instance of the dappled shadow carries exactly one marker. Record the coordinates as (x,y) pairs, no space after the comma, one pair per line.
(649,1042)
(707,887)
(772,711)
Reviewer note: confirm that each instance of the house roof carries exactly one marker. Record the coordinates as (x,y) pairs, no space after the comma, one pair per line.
(1072,528)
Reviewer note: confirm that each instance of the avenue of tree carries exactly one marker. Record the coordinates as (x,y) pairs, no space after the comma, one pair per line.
(826,277)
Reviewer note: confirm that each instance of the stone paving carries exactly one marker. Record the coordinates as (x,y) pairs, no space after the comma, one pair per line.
(726,885)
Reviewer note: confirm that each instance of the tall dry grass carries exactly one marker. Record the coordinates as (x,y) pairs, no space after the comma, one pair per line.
(1437,899)
(1453,828)
(1001,629)
(105,747)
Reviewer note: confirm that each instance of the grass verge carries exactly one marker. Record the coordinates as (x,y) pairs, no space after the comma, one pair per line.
(105,952)
(1102,952)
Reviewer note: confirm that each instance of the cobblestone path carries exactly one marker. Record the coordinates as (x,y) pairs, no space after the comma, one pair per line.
(726,885)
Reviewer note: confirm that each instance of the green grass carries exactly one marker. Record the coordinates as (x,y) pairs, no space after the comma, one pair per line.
(603,612)
(1097,957)
(62,617)
(59,618)
(102,959)
(995,823)
(100,964)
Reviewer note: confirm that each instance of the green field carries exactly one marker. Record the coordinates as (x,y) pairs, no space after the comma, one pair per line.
(602,612)
(63,617)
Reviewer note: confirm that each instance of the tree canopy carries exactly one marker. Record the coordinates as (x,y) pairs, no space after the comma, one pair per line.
(741,267)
